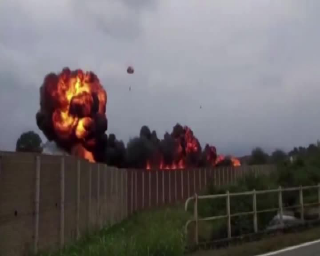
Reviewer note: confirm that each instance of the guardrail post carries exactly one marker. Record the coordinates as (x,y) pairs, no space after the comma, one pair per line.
(319,200)
(255,217)
(280,205)
(228,214)
(196,220)
(301,203)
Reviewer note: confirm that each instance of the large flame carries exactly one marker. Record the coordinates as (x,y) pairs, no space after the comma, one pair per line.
(75,102)
(235,161)
(187,146)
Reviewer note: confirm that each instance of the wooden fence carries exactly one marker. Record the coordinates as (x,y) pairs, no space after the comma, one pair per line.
(48,201)
(254,212)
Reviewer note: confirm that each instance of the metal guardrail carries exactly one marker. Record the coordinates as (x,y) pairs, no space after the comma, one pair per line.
(254,211)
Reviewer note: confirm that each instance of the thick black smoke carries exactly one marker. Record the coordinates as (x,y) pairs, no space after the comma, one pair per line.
(179,146)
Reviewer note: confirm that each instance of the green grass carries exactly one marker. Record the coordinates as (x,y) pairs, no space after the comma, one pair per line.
(153,233)
(266,245)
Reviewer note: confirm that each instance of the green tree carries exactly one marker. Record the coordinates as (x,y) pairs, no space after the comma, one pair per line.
(258,156)
(278,156)
(29,142)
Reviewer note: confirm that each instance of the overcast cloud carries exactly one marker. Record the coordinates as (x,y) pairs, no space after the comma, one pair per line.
(253,66)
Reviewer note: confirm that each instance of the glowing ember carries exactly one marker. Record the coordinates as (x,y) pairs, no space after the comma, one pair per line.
(235,161)
(73,108)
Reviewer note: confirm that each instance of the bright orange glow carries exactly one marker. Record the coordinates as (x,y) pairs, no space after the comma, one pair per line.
(77,96)
(148,167)
(219,159)
(235,161)
(80,151)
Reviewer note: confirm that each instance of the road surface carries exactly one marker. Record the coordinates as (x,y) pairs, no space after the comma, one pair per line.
(307,249)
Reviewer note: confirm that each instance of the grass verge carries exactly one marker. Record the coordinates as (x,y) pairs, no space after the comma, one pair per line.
(153,233)
(266,245)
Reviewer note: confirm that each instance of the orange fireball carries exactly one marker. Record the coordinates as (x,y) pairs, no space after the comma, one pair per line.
(73,111)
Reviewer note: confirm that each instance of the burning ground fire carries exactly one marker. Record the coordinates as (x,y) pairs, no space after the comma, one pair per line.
(73,111)
(188,153)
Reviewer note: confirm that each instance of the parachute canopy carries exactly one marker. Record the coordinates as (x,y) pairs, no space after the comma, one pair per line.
(130,70)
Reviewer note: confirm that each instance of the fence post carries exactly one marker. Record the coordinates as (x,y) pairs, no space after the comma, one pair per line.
(280,206)
(223,176)
(228,214)
(136,190)
(301,203)
(98,194)
(126,190)
(149,188)
(143,190)
(319,200)
(205,177)
(157,186)
(122,193)
(36,204)
(181,184)
(163,196)
(89,196)
(132,195)
(196,218)
(255,217)
(175,185)
(62,202)
(78,201)
(194,181)
(228,176)
(188,182)
(105,192)
(169,185)
(200,183)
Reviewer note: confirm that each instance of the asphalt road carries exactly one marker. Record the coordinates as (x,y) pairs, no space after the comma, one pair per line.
(308,250)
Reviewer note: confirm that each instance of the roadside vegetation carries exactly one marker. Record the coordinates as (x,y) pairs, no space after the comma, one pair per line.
(153,233)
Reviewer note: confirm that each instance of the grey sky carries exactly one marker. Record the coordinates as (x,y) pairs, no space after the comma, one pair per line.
(252,65)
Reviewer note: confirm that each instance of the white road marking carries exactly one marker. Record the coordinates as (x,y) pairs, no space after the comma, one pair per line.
(290,248)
